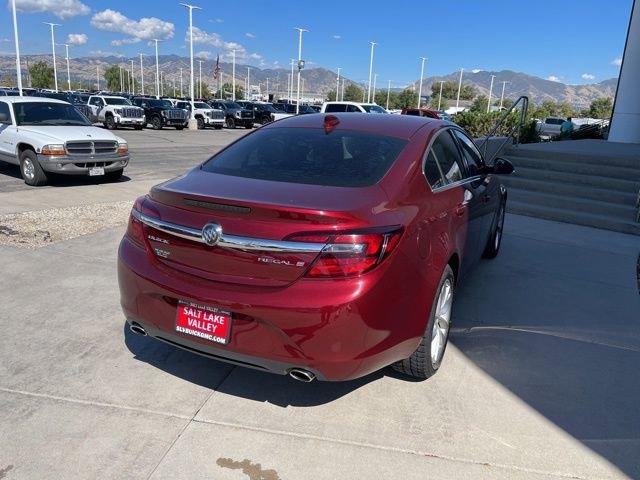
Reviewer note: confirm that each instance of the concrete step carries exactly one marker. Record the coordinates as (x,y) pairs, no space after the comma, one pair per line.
(597,169)
(617,184)
(629,161)
(572,216)
(568,190)
(597,207)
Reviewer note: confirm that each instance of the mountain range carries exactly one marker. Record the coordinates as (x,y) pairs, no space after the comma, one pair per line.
(317,80)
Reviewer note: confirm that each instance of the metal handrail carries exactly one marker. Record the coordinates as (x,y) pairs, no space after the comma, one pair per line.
(523,116)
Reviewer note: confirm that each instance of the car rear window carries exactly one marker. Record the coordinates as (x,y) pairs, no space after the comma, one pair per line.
(309,156)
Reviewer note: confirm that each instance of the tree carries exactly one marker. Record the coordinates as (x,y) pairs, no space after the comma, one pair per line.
(227,90)
(479,104)
(352,93)
(601,108)
(41,75)
(406,99)
(433,103)
(112,76)
(8,80)
(331,96)
(206,93)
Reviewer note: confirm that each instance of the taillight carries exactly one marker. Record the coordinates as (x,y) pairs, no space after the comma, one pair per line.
(347,255)
(135,231)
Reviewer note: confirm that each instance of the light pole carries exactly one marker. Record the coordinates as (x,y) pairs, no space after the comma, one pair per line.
(141,75)
(502,96)
(421,76)
(291,83)
(373,92)
(233,76)
(300,65)
(15,34)
(248,82)
(199,78)
(193,125)
(133,80)
(66,47)
(440,97)
(181,89)
(267,89)
(98,76)
(338,83)
(459,88)
(388,93)
(157,70)
(490,92)
(53,50)
(342,91)
(373,44)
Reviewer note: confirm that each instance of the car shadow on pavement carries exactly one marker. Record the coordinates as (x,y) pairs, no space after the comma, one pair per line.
(243,382)
(570,349)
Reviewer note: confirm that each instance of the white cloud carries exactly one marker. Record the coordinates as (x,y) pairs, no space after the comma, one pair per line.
(125,41)
(102,53)
(204,55)
(4,40)
(249,35)
(553,78)
(476,70)
(217,20)
(616,61)
(337,37)
(143,29)
(587,76)
(77,38)
(62,9)
(215,40)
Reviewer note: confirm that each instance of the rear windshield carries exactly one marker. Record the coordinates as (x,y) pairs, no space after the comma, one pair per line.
(309,156)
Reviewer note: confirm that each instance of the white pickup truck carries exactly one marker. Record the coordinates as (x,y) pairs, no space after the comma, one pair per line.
(204,113)
(114,112)
(45,136)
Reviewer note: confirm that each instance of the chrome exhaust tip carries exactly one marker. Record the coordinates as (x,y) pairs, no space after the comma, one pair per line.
(137,329)
(302,375)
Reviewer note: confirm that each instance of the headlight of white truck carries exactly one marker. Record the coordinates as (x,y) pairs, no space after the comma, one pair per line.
(54,150)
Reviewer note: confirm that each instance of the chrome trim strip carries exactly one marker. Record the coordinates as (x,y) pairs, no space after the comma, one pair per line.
(230,241)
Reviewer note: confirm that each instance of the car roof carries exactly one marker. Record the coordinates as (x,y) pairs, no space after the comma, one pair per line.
(27,99)
(402,126)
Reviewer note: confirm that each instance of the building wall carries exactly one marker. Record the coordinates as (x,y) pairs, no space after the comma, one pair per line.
(625,124)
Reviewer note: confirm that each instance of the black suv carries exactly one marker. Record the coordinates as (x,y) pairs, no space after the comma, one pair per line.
(262,112)
(161,113)
(234,113)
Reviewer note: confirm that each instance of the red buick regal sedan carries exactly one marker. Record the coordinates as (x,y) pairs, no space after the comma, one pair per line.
(319,246)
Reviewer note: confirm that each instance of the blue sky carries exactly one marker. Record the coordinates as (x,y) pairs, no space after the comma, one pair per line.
(575,41)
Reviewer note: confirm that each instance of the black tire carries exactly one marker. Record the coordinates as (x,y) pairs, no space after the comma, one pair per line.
(179,127)
(32,172)
(231,123)
(248,126)
(218,127)
(494,241)
(156,123)
(138,127)
(200,121)
(114,175)
(110,122)
(419,364)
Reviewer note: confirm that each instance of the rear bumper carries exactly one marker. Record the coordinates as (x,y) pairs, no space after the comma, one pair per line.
(80,166)
(339,330)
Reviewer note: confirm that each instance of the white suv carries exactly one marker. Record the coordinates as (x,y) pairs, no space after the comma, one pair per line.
(114,112)
(204,113)
(339,107)
(43,136)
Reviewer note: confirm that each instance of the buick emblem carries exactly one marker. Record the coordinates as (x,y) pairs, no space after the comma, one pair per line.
(211,234)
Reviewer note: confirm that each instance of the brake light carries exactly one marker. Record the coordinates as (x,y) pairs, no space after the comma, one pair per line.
(135,231)
(350,254)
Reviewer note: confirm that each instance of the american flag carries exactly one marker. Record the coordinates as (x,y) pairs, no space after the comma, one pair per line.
(216,69)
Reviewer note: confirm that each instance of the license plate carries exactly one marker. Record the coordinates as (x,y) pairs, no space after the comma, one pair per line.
(205,322)
(96,171)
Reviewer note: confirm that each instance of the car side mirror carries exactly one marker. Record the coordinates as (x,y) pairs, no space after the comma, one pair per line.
(4,117)
(502,166)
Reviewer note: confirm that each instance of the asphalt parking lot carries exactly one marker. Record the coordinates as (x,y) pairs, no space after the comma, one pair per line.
(539,381)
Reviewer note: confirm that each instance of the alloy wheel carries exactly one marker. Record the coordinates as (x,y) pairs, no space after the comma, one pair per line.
(28,169)
(441,322)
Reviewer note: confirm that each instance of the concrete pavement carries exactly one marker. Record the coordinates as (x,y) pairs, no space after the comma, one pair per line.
(539,380)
